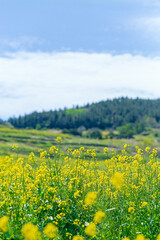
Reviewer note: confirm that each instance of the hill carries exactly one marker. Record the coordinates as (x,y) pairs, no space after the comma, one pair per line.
(124,114)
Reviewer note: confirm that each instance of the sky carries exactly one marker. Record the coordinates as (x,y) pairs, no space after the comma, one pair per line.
(60,53)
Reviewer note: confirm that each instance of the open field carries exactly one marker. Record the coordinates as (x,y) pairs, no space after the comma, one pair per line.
(33,140)
(78,188)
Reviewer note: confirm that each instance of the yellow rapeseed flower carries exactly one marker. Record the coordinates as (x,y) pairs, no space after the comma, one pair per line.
(90,230)
(117,180)
(147,149)
(154,151)
(78,237)
(140,237)
(31,158)
(59,139)
(31,232)
(144,204)
(105,150)
(4,223)
(81,149)
(14,147)
(98,217)
(131,209)
(43,154)
(50,230)
(52,149)
(90,198)
(126,238)
(158,238)
(139,150)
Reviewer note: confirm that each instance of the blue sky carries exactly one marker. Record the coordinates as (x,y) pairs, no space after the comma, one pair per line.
(117,26)
(60,53)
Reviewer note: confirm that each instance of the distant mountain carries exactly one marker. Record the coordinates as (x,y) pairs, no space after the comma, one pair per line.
(105,114)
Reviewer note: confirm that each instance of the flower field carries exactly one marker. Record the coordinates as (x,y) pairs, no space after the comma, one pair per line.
(72,195)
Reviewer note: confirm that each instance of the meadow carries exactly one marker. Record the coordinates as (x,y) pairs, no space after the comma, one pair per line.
(56,186)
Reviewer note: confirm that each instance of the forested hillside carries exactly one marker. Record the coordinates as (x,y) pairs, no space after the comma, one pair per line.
(102,115)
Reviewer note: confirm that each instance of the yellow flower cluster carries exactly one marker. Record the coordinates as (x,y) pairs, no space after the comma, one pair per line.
(90,198)
(70,197)
(90,230)
(4,224)
(117,180)
(98,217)
(31,232)
(50,230)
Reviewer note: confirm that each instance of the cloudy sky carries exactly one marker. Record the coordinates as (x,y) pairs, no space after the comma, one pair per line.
(60,53)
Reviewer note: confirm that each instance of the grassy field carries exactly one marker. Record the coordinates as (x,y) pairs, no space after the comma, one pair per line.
(56,186)
(33,140)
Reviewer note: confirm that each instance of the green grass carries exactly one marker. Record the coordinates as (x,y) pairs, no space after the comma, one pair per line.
(33,140)
(76,111)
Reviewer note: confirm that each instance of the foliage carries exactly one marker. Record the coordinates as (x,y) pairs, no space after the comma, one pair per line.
(105,114)
(72,131)
(94,134)
(76,111)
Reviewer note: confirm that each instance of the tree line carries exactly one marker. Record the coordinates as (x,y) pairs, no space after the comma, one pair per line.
(109,114)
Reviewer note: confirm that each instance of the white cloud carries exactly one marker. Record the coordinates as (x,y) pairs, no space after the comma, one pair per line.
(152,23)
(44,81)
(21,43)
(149,26)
